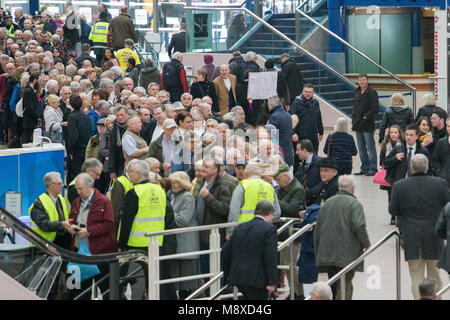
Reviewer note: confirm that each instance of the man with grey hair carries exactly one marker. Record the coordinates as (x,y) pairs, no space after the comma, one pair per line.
(249,66)
(145,209)
(108,85)
(321,291)
(71,70)
(92,167)
(47,64)
(139,91)
(417,201)
(173,77)
(49,213)
(52,87)
(133,145)
(75,87)
(100,111)
(248,193)
(253,246)
(118,72)
(34,68)
(427,289)
(341,220)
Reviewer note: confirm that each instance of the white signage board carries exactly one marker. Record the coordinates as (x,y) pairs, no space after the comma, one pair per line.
(86,11)
(13,203)
(53,10)
(440,58)
(114,12)
(262,85)
(140,16)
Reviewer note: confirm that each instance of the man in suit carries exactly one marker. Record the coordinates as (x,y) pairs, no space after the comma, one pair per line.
(308,171)
(398,161)
(225,86)
(178,41)
(249,258)
(418,200)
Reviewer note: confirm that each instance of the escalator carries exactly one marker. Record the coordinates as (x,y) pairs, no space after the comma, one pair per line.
(40,271)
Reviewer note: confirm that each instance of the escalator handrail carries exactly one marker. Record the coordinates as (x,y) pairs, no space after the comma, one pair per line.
(52,249)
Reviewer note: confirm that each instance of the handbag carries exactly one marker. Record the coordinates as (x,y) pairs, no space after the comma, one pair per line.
(83,271)
(380,177)
(55,137)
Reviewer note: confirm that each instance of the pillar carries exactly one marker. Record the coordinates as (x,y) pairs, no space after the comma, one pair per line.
(416,42)
(336,55)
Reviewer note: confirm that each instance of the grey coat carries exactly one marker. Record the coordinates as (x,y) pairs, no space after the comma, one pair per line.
(340,234)
(418,200)
(442,230)
(183,205)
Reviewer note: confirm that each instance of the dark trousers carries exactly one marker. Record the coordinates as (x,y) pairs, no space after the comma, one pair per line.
(335,287)
(253,293)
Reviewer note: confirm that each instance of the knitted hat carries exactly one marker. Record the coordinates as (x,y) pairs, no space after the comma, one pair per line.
(208,58)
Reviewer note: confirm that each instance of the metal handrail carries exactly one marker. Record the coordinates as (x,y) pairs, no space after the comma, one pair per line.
(443,290)
(334,35)
(294,237)
(282,35)
(205,286)
(341,274)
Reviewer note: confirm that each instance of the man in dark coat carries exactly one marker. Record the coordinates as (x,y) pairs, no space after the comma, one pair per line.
(178,41)
(173,77)
(85,55)
(282,120)
(291,197)
(328,186)
(363,120)
(418,200)
(441,156)
(397,163)
(340,235)
(293,75)
(307,110)
(78,135)
(236,64)
(442,230)
(121,28)
(308,170)
(250,257)
(249,66)
(116,158)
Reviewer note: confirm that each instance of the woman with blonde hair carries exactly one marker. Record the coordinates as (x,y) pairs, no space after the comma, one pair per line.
(341,146)
(53,118)
(429,104)
(183,205)
(398,113)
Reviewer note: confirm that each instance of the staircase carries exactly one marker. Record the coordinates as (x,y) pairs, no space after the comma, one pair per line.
(265,43)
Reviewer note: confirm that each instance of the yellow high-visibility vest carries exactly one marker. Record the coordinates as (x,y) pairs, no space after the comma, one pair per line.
(150,215)
(99,35)
(254,190)
(52,213)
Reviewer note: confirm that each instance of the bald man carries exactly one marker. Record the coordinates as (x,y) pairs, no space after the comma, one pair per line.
(225,86)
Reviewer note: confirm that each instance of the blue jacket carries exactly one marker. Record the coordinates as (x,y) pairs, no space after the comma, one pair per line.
(282,120)
(306,261)
(14,97)
(94,116)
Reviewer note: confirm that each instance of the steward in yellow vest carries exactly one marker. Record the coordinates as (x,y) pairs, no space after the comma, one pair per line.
(247,195)
(99,37)
(144,209)
(119,189)
(49,213)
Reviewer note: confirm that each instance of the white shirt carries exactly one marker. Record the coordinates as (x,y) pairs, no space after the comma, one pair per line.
(227,83)
(157,132)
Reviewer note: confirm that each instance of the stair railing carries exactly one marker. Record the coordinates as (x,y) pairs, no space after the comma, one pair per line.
(363,55)
(281,35)
(341,274)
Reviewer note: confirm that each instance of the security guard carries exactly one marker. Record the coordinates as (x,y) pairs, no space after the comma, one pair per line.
(247,195)
(91,166)
(99,37)
(10,26)
(49,213)
(145,209)
(119,189)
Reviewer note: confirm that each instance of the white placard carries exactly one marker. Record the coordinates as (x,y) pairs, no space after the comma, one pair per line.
(53,10)
(440,58)
(86,11)
(13,203)
(140,16)
(114,12)
(262,85)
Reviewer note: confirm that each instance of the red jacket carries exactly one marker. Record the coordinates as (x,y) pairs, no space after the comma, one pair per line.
(100,223)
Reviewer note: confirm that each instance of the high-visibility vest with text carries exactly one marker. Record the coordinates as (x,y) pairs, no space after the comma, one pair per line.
(99,35)
(254,190)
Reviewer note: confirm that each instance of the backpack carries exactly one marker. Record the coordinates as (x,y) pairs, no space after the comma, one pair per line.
(171,76)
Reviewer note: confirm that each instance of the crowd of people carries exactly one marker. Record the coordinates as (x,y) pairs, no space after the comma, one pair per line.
(149,151)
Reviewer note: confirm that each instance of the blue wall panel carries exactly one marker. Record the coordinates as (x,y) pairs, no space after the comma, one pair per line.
(8,176)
